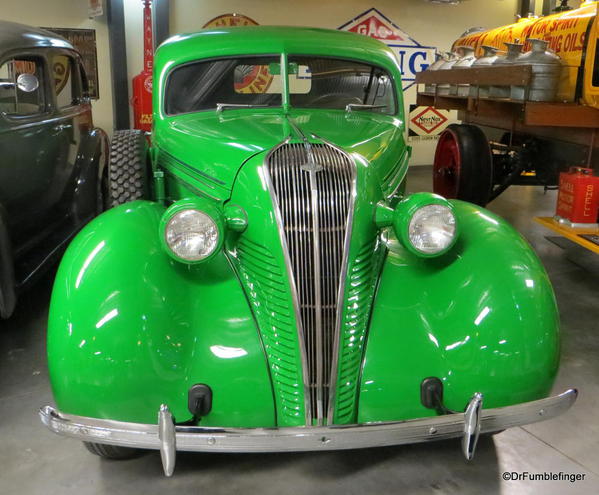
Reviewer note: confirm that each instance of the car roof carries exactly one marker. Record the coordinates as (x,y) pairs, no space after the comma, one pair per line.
(249,40)
(14,36)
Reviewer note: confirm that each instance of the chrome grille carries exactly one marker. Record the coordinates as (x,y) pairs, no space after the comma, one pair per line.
(313,186)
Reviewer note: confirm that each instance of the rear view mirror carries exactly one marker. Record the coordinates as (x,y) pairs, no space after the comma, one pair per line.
(383,82)
(274,69)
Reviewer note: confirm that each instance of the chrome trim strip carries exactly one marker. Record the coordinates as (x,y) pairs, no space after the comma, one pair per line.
(297,439)
(312,168)
(342,280)
(397,174)
(317,274)
(291,277)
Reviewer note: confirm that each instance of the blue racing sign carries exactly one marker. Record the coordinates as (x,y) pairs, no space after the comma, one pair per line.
(413,57)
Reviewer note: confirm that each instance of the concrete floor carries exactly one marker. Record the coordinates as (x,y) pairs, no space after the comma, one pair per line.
(35,461)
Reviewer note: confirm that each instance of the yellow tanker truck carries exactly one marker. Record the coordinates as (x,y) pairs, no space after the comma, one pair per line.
(505,141)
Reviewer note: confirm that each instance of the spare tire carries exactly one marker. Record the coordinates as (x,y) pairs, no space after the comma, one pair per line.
(127,171)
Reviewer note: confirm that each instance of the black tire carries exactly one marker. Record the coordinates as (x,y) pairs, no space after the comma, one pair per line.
(115,452)
(463,166)
(127,171)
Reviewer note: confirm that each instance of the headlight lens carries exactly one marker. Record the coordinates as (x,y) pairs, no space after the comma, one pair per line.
(424,223)
(432,229)
(191,235)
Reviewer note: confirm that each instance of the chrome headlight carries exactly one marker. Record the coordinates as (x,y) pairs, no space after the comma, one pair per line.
(191,235)
(424,223)
(432,229)
(192,232)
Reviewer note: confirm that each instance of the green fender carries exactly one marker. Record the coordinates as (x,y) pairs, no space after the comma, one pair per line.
(130,329)
(482,318)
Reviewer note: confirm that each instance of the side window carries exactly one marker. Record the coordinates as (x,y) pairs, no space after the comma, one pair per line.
(22,86)
(67,80)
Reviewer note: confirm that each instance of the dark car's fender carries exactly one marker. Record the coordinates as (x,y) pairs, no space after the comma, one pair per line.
(481,318)
(130,329)
(7,279)
(89,166)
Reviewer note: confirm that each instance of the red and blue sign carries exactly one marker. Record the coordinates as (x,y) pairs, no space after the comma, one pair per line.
(413,57)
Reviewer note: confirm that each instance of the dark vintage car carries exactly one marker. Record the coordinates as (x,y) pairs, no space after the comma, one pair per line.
(51,154)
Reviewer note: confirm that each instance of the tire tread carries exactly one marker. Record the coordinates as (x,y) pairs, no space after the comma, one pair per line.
(127,169)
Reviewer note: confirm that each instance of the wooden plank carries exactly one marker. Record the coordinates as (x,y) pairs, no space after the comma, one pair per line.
(519,75)
(425,100)
(570,233)
(445,102)
(560,115)
(451,103)
(503,110)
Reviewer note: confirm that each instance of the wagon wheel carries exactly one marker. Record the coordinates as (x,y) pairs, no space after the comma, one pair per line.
(463,165)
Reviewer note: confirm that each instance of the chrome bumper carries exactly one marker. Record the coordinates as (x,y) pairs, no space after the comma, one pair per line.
(168,437)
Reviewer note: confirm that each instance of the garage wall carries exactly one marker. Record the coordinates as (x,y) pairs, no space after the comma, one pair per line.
(70,14)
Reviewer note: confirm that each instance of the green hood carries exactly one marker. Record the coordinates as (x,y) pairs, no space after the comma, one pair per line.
(215,145)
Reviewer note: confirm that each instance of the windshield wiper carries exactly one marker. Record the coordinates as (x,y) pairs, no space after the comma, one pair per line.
(223,106)
(361,106)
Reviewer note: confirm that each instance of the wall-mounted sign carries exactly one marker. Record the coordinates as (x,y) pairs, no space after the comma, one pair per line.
(61,69)
(228,20)
(427,122)
(413,57)
(95,8)
(248,78)
(84,41)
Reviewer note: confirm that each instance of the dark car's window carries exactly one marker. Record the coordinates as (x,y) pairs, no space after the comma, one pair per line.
(22,86)
(67,83)
(336,83)
(234,81)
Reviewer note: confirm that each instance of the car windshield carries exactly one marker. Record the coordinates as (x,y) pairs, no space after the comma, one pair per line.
(256,82)
(233,81)
(344,84)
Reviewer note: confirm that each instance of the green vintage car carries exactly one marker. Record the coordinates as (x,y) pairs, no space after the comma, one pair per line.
(276,289)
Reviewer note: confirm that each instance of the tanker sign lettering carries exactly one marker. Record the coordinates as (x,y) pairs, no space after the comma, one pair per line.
(413,57)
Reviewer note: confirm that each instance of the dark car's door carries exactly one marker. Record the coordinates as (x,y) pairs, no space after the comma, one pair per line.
(28,148)
(73,119)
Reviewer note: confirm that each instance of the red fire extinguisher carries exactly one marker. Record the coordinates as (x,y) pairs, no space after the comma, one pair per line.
(142,83)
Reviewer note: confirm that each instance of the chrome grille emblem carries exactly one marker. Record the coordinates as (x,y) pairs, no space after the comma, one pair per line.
(313,187)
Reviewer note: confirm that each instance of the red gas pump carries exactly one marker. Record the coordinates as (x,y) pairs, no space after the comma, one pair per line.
(142,83)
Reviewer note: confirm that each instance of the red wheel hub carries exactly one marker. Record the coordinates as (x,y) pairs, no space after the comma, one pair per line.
(447,165)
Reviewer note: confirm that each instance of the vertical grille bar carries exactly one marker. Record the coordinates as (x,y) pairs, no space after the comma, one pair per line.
(313,186)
